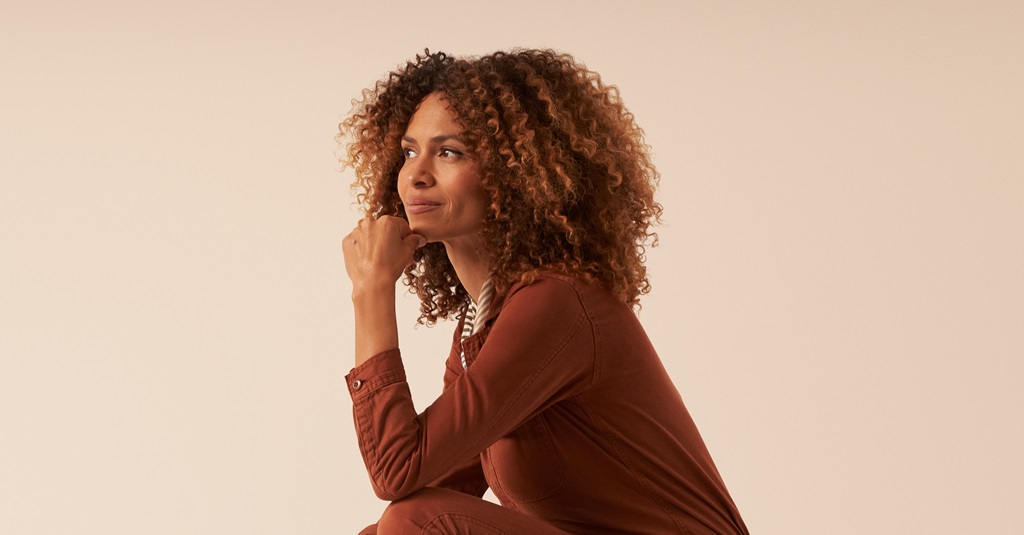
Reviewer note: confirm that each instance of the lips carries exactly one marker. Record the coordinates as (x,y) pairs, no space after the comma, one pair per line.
(419,205)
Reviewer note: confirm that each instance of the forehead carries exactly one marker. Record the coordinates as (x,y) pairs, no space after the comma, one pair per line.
(433,117)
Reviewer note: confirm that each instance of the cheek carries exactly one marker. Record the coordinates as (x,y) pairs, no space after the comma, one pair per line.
(485,200)
(475,199)
(476,189)
(400,189)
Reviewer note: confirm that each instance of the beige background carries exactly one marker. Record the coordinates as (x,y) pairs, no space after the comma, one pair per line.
(837,295)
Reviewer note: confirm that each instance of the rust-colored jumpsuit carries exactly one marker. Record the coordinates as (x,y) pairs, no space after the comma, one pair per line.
(565,411)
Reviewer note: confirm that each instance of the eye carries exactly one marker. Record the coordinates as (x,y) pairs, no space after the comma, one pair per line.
(408,153)
(449,153)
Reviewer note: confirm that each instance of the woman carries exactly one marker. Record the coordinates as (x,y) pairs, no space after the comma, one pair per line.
(516,193)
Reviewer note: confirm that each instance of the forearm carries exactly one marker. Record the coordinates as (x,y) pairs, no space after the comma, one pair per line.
(539,351)
(376,322)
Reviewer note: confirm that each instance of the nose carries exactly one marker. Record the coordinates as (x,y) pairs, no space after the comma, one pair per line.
(419,172)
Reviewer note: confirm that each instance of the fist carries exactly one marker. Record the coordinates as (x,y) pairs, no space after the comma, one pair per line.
(377,251)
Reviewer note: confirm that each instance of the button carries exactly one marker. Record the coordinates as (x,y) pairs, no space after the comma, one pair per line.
(357,384)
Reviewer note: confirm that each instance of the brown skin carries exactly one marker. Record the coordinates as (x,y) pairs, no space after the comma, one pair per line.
(376,253)
(441,192)
(440,188)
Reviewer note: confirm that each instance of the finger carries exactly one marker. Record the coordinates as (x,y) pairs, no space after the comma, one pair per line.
(414,241)
(349,238)
(402,225)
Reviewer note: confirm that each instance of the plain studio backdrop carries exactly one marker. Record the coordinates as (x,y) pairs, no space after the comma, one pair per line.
(837,293)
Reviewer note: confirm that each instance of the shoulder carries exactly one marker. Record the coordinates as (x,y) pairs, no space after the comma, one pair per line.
(557,297)
(558,293)
(546,285)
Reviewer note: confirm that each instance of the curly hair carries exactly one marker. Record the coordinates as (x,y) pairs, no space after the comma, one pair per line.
(566,168)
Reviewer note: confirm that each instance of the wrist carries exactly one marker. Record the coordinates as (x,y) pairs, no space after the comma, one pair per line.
(372,290)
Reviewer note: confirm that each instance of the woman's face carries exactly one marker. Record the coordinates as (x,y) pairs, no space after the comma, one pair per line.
(439,184)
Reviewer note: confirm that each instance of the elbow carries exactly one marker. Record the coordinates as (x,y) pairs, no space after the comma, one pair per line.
(392,493)
(394,485)
(383,494)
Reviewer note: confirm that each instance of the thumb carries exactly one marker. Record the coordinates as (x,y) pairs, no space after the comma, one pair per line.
(415,241)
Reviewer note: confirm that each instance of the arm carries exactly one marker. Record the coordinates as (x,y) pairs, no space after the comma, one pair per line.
(540,351)
(376,252)
(468,478)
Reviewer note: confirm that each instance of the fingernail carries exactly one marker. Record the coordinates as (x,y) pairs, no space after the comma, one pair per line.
(423,241)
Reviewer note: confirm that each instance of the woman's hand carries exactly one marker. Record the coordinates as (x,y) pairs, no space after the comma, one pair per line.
(377,251)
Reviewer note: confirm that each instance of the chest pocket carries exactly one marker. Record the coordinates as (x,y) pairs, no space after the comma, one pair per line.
(524,466)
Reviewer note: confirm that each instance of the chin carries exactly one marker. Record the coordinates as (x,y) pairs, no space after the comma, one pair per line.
(423,232)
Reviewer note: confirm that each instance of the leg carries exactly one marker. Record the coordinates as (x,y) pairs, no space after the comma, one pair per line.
(447,512)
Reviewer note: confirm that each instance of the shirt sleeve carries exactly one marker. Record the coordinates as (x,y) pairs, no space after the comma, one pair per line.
(468,478)
(540,351)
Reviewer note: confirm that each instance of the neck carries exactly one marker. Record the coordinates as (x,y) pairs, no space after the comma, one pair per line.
(471,267)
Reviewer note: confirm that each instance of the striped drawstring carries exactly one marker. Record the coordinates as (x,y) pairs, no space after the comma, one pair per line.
(474,311)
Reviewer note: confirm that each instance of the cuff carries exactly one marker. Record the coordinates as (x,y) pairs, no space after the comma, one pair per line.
(376,372)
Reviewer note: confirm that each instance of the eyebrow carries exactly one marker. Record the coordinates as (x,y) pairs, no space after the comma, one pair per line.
(435,139)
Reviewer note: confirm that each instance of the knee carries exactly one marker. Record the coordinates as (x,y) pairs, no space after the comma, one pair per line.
(412,512)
